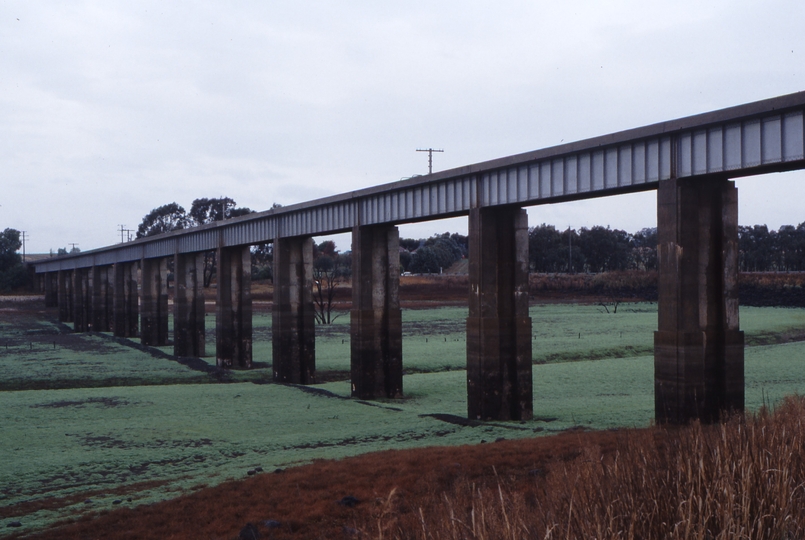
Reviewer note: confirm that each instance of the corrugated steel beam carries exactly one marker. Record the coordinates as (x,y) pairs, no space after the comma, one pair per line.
(756,138)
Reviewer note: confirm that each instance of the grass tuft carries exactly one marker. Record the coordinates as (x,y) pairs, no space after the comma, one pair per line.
(744,478)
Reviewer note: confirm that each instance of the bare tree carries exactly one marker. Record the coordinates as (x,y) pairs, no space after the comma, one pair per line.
(324,293)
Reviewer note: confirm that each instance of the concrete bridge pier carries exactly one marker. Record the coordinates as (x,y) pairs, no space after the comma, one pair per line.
(188,305)
(81,300)
(64,279)
(698,348)
(154,302)
(109,304)
(101,299)
(233,323)
(50,284)
(499,385)
(376,319)
(293,315)
(125,305)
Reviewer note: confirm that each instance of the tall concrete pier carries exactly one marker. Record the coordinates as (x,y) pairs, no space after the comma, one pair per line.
(50,286)
(81,300)
(101,308)
(376,319)
(188,305)
(125,305)
(154,315)
(233,321)
(698,348)
(65,295)
(293,315)
(498,326)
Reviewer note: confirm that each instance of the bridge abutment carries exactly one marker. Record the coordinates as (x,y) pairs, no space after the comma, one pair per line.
(293,314)
(499,385)
(376,318)
(154,302)
(233,324)
(125,305)
(698,348)
(188,305)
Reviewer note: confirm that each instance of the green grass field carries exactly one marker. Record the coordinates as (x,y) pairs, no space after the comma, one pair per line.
(86,417)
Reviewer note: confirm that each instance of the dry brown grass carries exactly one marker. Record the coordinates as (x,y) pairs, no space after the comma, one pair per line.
(741,479)
(607,282)
(773,279)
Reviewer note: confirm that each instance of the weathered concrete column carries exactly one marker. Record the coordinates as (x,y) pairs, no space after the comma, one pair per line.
(233,321)
(100,299)
(188,305)
(698,349)
(65,283)
(109,294)
(498,327)
(154,302)
(293,315)
(51,289)
(81,300)
(125,304)
(376,319)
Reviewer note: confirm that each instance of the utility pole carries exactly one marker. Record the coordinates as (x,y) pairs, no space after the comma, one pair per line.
(125,234)
(72,246)
(430,152)
(23,245)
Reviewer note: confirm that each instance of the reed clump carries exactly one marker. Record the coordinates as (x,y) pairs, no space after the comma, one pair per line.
(740,479)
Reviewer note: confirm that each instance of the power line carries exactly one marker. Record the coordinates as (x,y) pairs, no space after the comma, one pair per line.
(430,152)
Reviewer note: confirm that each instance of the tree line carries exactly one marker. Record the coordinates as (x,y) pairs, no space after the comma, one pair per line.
(597,249)
(762,250)
(600,249)
(432,255)
(13,273)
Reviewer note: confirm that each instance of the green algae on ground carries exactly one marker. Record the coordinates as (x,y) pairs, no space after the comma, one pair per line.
(433,340)
(160,440)
(89,360)
(73,441)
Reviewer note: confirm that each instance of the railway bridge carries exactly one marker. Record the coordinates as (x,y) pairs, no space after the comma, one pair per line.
(698,346)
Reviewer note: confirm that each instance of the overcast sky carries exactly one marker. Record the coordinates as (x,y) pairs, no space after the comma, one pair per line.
(110,109)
